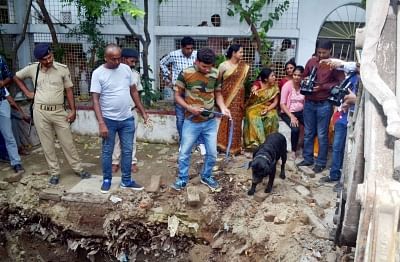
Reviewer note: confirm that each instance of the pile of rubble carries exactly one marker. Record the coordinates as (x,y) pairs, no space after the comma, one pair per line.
(290,224)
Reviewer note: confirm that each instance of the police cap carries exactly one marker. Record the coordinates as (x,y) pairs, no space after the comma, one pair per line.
(41,50)
(130,52)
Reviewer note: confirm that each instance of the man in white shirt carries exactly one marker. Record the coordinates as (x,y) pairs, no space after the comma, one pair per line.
(129,57)
(113,88)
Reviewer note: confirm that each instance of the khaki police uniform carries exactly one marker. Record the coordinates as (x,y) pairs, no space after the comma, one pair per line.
(49,114)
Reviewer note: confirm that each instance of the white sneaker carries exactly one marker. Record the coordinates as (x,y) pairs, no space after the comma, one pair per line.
(202,149)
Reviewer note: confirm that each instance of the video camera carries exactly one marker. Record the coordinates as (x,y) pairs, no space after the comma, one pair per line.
(340,91)
(307,86)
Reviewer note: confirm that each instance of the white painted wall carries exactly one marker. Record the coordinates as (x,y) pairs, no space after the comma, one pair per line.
(163,129)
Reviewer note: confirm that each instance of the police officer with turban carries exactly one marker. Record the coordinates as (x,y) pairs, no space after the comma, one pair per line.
(50,117)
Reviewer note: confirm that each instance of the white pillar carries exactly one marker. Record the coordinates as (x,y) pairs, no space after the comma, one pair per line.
(152,57)
(311,16)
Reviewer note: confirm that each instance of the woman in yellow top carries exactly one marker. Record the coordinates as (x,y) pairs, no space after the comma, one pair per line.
(232,73)
(261,116)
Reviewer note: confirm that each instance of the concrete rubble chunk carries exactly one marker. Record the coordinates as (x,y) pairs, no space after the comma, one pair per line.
(193,196)
(13,178)
(280,219)
(304,192)
(3,185)
(320,233)
(51,194)
(260,196)
(40,173)
(269,217)
(155,183)
(218,243)
(307,170)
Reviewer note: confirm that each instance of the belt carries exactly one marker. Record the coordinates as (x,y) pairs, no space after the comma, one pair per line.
(50,107)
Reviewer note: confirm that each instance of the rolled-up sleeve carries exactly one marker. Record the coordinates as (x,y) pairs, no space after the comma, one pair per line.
(164,63)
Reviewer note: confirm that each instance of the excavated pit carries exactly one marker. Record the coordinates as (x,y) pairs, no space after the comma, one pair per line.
(74,222)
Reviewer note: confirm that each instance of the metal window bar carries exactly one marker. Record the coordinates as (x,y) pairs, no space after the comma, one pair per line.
(220,44)
(81,57)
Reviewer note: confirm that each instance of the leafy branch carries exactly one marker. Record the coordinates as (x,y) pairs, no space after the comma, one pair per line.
(251,13)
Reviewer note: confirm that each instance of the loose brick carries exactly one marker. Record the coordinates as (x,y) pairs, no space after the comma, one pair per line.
(154,184)
(193,196)
(50,194)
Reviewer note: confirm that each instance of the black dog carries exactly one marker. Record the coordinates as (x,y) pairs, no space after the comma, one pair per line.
(264,161)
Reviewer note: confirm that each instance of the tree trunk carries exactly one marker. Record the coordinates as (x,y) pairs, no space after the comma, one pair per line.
(48,21)
(147,41)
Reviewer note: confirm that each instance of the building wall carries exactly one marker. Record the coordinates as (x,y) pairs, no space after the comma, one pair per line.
(180,17)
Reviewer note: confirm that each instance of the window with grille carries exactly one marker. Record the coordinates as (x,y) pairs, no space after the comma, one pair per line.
(4,19)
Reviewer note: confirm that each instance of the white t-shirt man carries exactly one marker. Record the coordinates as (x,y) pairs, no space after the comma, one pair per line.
(113,85)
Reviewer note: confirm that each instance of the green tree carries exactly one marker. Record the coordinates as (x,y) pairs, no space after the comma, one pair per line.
(251,13)
(93,11)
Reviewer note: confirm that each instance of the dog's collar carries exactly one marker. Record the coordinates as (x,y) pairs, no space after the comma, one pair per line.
(261,156)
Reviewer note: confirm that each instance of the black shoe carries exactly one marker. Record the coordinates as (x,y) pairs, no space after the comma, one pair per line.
(304,163)
(326,179)
(54,180)
(338,187)
(318,169)
(84,174)
(19,169)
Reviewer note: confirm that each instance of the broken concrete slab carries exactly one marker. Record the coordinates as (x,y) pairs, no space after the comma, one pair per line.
(307,170)
(155,183)
(88,190)
(304,192)
(13,178)
(193,196)
(51,194)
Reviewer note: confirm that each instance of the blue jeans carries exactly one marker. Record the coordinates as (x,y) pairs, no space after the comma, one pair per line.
(339,143)
(317,116)
(11,145)
(125,130)
(190,133)
(180,118)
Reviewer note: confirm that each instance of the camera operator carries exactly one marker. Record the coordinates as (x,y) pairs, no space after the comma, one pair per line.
(340,120)
(317,109)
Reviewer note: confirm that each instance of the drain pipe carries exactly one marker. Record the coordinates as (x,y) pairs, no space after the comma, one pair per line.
(369,70)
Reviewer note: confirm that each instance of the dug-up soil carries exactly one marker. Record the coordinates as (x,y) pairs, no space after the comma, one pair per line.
(73,221)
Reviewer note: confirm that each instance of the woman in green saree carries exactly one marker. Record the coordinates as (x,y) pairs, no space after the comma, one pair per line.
(261,116)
